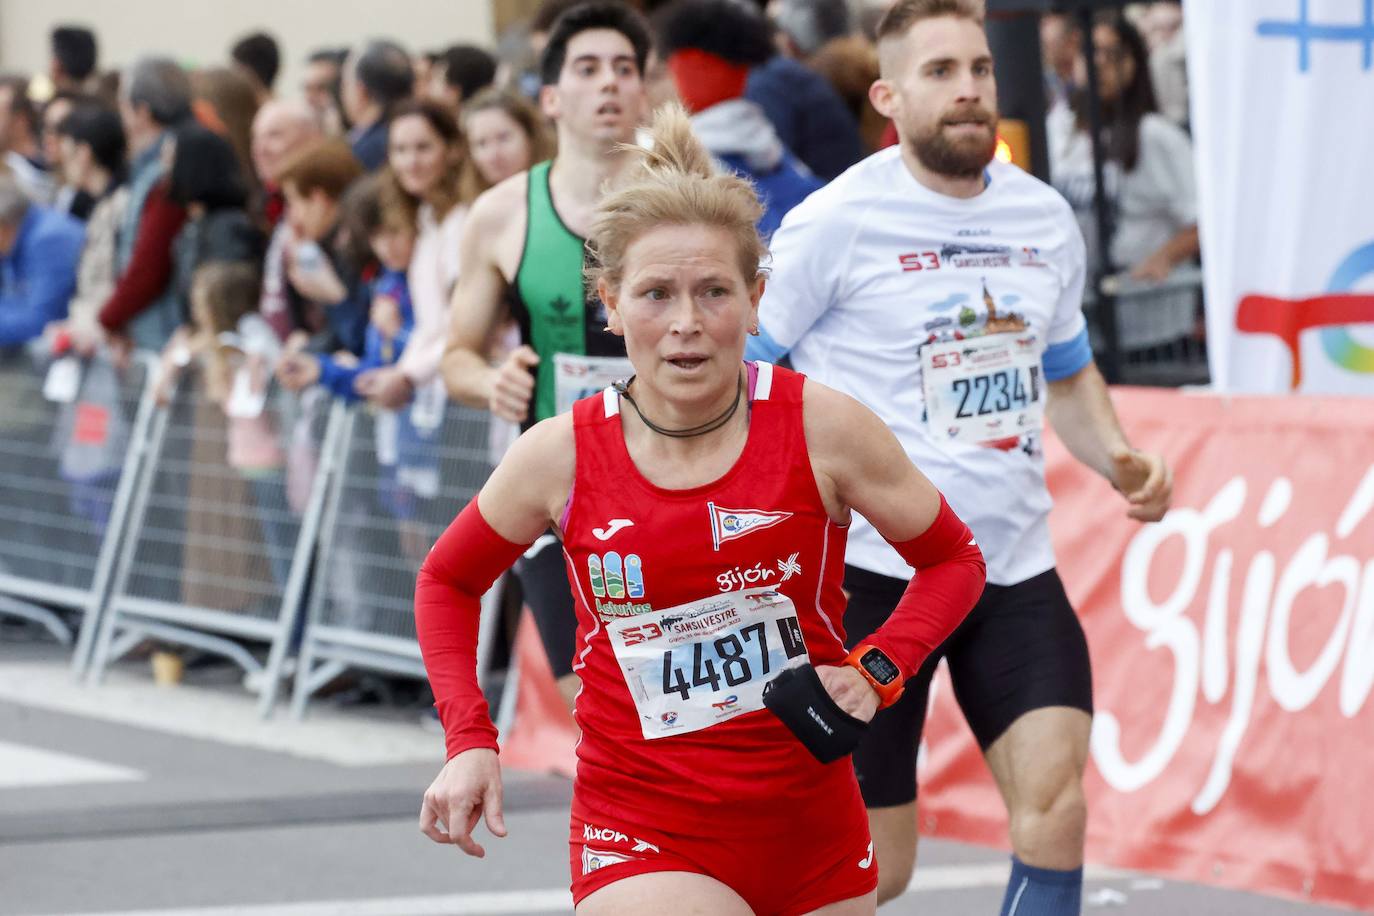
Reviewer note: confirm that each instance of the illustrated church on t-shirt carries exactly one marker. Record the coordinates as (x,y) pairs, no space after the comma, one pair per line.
(1010,322)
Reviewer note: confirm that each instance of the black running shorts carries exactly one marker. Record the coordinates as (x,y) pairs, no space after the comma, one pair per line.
(1021,648)
(544,582)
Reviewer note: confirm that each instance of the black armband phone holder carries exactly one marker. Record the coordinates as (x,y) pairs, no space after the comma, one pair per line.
(799,699)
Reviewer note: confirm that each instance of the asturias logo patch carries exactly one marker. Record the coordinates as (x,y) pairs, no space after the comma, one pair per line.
(617,578)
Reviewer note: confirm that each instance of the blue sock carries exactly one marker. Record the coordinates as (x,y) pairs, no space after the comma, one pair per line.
(1042,891)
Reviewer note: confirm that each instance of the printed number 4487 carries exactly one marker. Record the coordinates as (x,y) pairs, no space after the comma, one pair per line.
(729,651)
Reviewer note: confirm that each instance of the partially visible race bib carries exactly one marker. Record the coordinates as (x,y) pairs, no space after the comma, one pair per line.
(576,377)
(699,664)
(983,389)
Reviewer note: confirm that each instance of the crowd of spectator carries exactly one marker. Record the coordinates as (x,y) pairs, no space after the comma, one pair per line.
(106,223)
(156,207)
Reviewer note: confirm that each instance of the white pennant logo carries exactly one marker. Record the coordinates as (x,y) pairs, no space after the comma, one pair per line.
(728,524)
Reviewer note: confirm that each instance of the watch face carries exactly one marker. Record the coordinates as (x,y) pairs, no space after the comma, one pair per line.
(879,666)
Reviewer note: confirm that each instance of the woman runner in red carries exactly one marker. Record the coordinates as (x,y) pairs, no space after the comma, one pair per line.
(703,507)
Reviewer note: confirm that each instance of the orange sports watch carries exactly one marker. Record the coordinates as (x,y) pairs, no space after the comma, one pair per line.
(880,671)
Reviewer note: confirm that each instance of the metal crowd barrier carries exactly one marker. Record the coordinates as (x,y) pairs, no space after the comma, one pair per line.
(223,521)
(293,532)
(1158,328)
(68,459)
(403,476)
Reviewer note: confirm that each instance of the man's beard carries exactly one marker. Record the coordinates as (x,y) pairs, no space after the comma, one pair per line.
(965,157)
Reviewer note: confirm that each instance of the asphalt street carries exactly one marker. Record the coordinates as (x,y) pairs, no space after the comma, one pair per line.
(134,799)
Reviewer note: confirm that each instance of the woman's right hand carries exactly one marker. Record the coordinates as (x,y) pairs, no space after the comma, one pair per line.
(467,789)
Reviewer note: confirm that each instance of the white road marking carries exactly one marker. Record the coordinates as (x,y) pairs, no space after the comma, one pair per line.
(550,900)
(24,766)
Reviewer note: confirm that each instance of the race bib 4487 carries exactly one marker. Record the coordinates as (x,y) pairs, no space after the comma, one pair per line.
(692,666)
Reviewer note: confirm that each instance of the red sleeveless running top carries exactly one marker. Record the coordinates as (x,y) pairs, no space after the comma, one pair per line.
(633,550)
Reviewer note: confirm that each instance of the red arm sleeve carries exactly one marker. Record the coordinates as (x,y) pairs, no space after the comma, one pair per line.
(462,565)
(150,266)
(950,573)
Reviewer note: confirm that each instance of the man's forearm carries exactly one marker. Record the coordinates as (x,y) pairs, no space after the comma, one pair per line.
(468,377)
(1081,412)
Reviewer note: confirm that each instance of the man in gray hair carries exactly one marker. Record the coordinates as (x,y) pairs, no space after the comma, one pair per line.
(39,248)
(143,307)
(281,129)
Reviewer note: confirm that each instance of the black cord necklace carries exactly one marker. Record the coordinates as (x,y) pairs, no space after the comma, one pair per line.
(623,388)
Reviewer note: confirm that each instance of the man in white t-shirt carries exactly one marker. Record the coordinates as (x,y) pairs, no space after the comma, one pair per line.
(944,290)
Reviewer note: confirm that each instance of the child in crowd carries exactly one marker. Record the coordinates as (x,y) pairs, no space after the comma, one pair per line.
(390,317)
(406,440)
(223,297)
(235,455)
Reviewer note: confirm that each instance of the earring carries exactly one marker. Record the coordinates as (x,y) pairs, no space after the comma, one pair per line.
(754,331)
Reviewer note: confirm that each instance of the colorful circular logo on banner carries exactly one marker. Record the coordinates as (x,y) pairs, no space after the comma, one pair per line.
(1332,311)
(1339,344)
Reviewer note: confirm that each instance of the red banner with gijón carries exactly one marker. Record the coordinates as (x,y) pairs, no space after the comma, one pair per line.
(1232,648)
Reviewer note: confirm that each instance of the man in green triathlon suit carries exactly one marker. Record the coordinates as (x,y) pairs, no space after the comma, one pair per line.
(522,255)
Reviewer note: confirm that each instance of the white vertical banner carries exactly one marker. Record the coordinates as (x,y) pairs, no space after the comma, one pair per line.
(1282,95)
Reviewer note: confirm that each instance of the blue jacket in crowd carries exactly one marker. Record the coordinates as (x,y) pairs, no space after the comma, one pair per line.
(38,276)
(378,351)
(739,135)
(810,117)
(369,145)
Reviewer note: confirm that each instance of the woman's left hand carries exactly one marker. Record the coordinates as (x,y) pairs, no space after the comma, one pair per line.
(849,690)
(386,387)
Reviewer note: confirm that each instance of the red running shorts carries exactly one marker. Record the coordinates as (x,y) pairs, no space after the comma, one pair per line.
(805,860)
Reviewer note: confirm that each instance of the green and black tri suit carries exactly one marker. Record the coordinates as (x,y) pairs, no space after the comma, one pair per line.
(555,312)
(556,315)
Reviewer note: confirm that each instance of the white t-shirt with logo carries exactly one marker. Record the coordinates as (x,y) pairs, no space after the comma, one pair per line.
(875,275)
